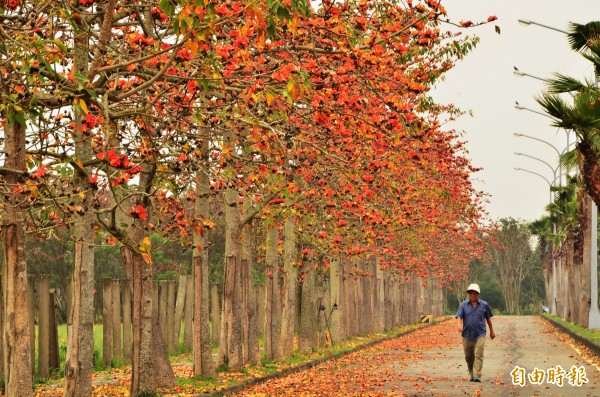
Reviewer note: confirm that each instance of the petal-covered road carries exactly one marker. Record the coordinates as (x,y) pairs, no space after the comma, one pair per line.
(527,358)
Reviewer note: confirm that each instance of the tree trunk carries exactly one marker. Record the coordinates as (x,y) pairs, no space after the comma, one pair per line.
(179,308)
(230,348)
(307,334)
(348,308)
(335,277)
(564,282)
(80,321)
(578,249)
(250,326)
(558,261)
(203,361)
(379,299)
(127,343)
(170,315)
(273,307)
(215,314)
(107,322)
(151,368)
(586,261)
(80,343)
(591,169)
(571,293)
(546,262)
(290,279)
(17,354)
(188,339)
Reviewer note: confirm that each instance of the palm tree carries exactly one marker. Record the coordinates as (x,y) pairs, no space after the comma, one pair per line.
(564,213)
(581,113)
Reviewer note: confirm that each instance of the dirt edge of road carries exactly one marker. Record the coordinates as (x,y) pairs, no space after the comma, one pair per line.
(591,345)
(309,364)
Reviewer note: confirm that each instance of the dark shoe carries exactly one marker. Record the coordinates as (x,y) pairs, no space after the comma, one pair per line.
(476,380)
(472,379)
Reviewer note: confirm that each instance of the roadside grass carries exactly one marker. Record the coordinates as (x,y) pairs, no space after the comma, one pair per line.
(182,362)
(590,334)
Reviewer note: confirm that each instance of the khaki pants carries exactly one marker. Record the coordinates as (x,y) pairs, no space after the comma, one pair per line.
(474,355)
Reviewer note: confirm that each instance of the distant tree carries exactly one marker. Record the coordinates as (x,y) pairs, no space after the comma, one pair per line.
(484,274)
(532,286)
(510,260)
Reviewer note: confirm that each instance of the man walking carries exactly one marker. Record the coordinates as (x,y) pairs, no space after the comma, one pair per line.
(472,315)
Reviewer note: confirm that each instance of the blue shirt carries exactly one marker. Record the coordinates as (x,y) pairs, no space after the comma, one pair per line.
(473,318)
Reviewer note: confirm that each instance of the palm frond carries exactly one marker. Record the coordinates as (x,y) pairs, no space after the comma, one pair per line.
(586,106)
(541,227)
(594,57)
(561,84)
(580,36)
(558,108)
(583,116)
(569,160)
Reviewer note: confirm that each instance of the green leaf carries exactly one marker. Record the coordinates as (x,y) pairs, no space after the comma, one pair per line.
(204,84)
(33,113)
(286,94)
(81,77)
(20,117)
(167,7)
(61,45)
(10,116)
(271,27)
(283,13)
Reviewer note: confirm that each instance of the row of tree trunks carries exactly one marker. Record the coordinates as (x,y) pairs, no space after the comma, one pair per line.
(572,264)
(47,342)
(116,320)
(174,308)
(332,303)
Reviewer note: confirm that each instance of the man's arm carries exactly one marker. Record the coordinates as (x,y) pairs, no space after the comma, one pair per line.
(489,323)
(459,322)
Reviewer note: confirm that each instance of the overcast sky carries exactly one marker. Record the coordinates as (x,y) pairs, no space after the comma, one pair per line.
(485,84)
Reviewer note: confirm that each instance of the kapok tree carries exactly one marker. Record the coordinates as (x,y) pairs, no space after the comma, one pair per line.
(319,157)
(347,158)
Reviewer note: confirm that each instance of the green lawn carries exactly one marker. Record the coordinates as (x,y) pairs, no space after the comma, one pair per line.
(62,347)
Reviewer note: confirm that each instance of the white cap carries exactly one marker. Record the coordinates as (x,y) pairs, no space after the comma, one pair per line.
(473,287)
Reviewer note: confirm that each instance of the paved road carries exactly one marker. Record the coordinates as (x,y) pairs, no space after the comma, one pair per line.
(523,345)
(430,362)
